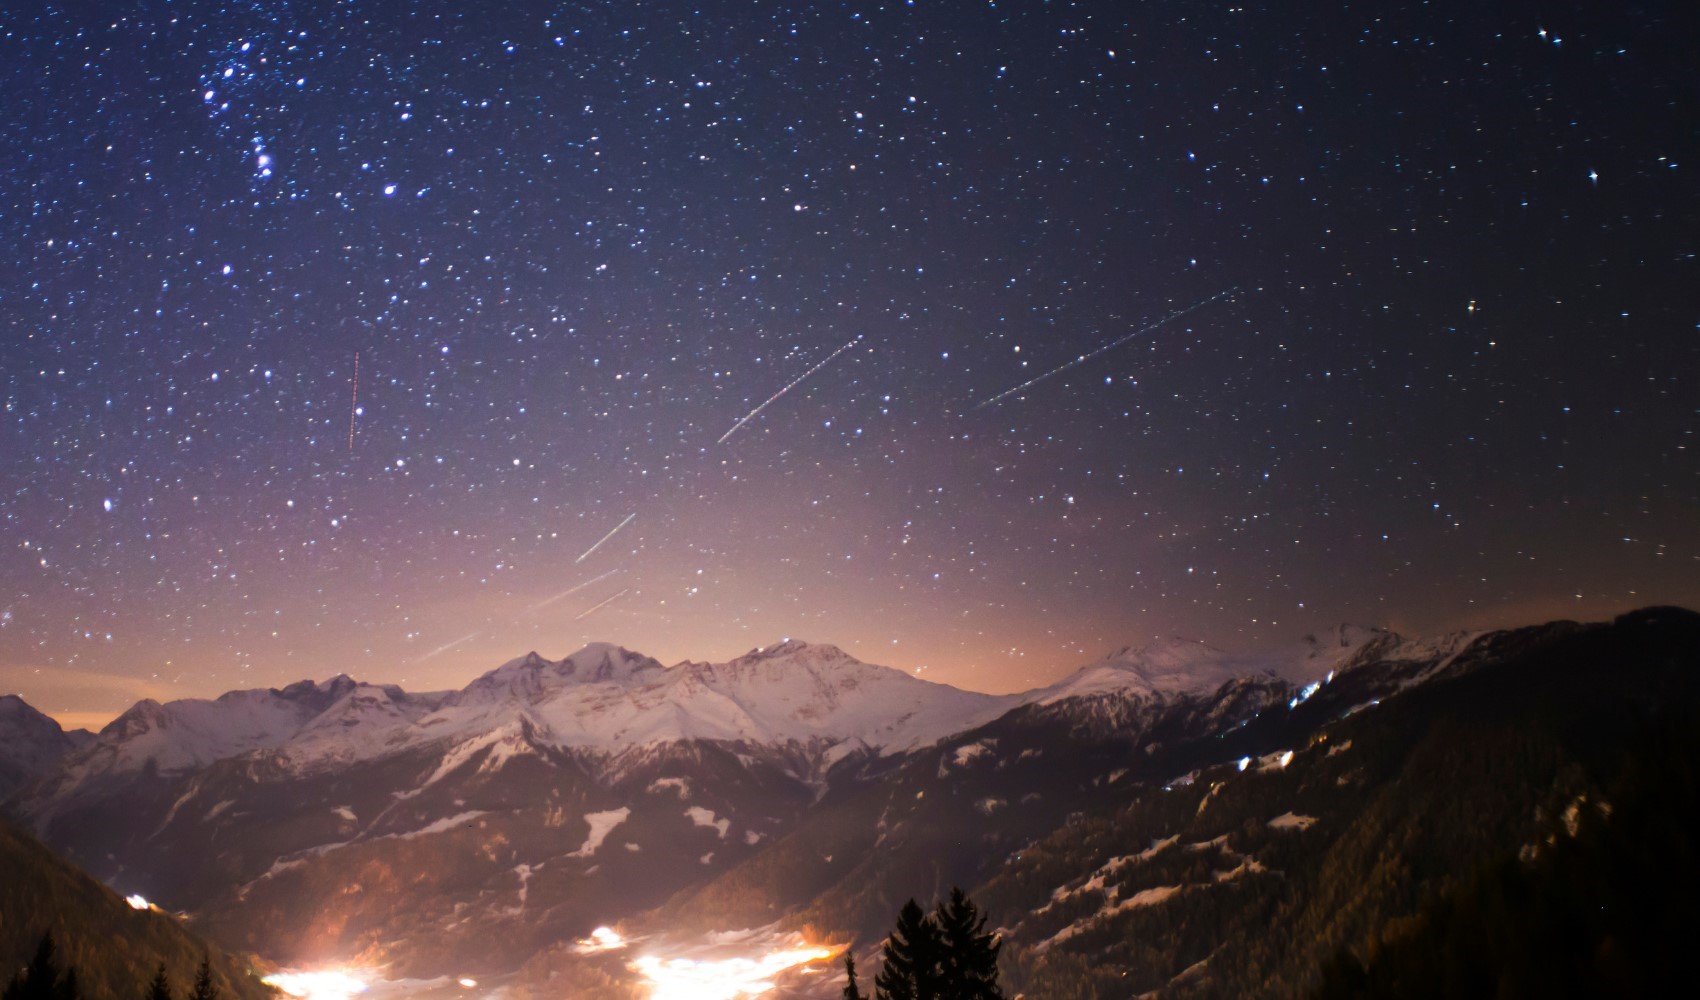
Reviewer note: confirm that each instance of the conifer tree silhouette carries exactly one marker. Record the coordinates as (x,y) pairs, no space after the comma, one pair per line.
(970,954)
(160,988)
(851,990)
(911,958)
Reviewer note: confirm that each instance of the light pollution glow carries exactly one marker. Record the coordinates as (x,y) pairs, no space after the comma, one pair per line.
(601,939)
(335,985)
(721,979)
(706,979)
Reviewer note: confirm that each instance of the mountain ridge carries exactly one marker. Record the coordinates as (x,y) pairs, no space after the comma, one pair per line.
(810,682)
(485,828)
(31,742)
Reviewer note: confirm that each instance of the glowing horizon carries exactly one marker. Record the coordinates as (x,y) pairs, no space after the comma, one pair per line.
(723,979)
(336,984)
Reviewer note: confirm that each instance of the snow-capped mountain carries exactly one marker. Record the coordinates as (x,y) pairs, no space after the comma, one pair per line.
(31,743)
(603,699)
(611,778)
(608,698)
(548,796)
(1176,667)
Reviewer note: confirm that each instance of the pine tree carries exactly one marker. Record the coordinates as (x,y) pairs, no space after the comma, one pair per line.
(204,988)
(67,989)
(970,955)
(911,958)
(39,978)
(160,988)
(851,990)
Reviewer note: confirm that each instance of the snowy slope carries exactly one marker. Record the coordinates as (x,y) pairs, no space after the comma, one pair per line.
(186,735)
(603,699)
(607,698)
(1180,667)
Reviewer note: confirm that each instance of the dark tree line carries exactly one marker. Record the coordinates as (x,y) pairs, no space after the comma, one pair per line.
(1603,908)
(944,955)
(42,979)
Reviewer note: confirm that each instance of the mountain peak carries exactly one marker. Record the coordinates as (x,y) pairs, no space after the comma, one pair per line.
(602,661)
(12,705)
(307,690)
(21,717)
(140,717)
(1169,650)
(1348,635)
(790,649)
(533,676)
(1178,666)
(30,742)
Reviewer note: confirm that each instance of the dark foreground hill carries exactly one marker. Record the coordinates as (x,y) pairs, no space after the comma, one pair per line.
(114,947)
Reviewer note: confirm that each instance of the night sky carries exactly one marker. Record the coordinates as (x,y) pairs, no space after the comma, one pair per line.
(1404,297)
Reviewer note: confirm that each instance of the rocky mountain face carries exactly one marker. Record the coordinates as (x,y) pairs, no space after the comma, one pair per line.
(1170,819)
(31,744)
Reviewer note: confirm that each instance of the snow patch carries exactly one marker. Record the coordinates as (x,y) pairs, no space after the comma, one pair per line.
(1291,821)
(601,825)
(1145,897)
(967,754)
(443,825)
(706,817)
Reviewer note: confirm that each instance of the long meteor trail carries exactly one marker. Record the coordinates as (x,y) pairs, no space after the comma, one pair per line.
(575,588)
(354,403)
(587,612)
(445,647)
(1105,349)
(794,384)
(629,519)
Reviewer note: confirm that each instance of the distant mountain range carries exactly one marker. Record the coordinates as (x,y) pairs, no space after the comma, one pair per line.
(1123,825)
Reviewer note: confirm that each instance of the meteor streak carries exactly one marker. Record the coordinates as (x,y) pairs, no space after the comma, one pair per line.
(1112,345)
(445,647)
(354,401)
(587,612)
(796,382)
(575,588)
(629,519)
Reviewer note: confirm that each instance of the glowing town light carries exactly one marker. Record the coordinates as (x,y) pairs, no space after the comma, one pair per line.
(723,979)
(317,985)
(1304,696)
(1245,762)
(138,902)
(467,983)
(601,939)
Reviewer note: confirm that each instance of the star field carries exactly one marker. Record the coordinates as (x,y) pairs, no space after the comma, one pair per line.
(1312,312)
